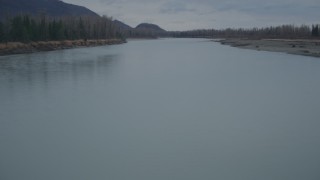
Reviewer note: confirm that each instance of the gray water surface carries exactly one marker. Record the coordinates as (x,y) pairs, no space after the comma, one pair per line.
(168,109)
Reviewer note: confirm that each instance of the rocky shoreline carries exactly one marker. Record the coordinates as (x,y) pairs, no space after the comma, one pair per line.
(305,47)
(22,48)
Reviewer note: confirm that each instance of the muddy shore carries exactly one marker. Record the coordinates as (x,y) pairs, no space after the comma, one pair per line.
(22,48)
(305,47)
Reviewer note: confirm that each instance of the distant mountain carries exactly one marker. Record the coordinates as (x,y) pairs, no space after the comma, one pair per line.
(53,8)
(149,27)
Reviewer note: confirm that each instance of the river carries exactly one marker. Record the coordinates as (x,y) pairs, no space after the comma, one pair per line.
(166,109)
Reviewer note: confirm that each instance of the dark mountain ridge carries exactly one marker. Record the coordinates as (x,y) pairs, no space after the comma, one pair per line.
(122,25)
(54,8)
(150,27)
(142,26)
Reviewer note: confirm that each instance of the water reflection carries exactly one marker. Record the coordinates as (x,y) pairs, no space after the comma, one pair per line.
(47,68)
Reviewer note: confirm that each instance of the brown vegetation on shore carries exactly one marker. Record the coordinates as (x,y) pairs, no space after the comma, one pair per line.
(20,48)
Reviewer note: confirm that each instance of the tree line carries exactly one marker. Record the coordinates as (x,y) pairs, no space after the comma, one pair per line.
(25,28)
(282,32)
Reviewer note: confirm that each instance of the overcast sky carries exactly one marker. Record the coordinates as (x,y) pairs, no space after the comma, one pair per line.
(196,14)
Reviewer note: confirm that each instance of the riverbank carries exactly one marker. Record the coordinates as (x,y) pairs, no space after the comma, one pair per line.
(22,48)
(305,47)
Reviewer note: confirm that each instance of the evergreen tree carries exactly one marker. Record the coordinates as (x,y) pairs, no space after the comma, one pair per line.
(34,35)
(81,28)
(60,31)
(43,29)
(17,29)
(315,30)
(2,35)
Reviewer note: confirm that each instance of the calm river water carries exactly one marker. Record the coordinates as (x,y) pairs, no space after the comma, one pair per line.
(167,109)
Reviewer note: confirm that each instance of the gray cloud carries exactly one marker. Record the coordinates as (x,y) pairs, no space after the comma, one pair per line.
(191,14)
(175,7)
